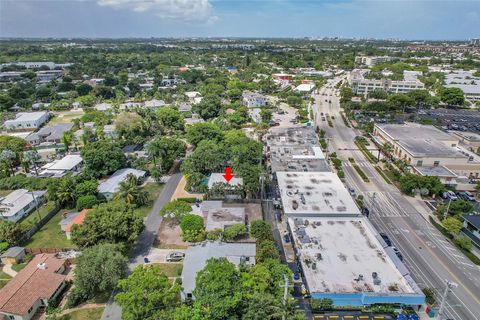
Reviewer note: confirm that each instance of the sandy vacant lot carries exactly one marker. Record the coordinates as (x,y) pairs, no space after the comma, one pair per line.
(170,236)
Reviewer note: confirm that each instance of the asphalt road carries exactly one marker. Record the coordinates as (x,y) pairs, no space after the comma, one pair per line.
(430,258)
(145,240)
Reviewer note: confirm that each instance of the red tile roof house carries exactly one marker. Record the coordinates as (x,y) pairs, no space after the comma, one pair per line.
(42,280)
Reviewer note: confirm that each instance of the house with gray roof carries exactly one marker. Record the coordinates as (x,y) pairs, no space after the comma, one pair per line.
(19,203)
(196,258)
(108,187)
(49,135)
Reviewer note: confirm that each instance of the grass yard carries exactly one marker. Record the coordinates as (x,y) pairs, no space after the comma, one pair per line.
(4,278)
(171,269)
(4,193)
(33,217)
(153,190)
(87,314)
(65,117)
(50,235)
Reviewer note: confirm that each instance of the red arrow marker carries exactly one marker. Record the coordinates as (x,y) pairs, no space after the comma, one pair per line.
(228,174)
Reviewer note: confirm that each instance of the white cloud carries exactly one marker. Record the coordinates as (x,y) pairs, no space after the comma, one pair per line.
(199,11)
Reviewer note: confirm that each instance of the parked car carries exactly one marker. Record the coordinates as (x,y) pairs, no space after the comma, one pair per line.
(352,192)
(466,196)
(397,252)
(175,256)
(386,239)
(450,195)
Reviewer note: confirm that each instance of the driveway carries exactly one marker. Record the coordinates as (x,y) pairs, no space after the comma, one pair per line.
(160,255)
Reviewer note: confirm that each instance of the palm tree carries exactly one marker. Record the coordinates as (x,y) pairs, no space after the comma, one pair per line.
(31,157)
(67,140)
(156,150)
(131,192)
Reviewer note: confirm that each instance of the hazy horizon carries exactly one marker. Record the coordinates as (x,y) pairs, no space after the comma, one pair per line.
(120,19)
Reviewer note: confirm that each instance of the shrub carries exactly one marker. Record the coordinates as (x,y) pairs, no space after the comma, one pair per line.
(261,230)
(86,202)
(192,228)
(429,295)
(464,243)
(4,246)
(341,174)
(214,234)
(267,250)
(233,232)
(176,209)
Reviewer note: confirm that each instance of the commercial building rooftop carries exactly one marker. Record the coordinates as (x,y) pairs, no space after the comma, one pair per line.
(429,148)
(343,255)
(414,131)
(294,149)
(435,171)
(315,194)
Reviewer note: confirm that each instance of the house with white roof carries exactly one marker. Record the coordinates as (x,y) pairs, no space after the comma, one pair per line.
(19,203)
(71,163)
(27,121)
(154,103)
(110,186)
(103,106)
(194,97)
(253,99)
(305,87)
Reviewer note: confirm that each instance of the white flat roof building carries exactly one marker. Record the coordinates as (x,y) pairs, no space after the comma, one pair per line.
(220,217)
(343,259)
(218,178)
(305,87)
(27,120)
(58,168)
(315,194)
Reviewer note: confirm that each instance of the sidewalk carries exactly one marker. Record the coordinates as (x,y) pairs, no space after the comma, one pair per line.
(8,270)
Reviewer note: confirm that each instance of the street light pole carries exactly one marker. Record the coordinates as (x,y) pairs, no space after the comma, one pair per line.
(286,285)
(448,288)
(445,214)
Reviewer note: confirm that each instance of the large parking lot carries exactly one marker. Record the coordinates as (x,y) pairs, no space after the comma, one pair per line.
(463,120)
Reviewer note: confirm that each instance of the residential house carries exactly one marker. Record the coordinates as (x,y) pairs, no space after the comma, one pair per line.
(13,255)
(49,135)
(154,103)
(71,219)
(110,186)
(232,191)
(31,290)
(71,163)
(19,203)
(217,216)
(103,106)
(194,97)
(196,258)
(184,107)
(27,121)
(253,99)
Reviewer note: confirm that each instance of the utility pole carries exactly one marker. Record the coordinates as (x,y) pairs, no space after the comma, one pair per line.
(286,285)
(450,285)
(445,214)
(36,205)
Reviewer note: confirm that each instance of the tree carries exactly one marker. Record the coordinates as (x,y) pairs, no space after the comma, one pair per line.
(203,131)
(460,207)
(7,160)
(86,187)
(261,230)
(62,191)
(112,222)
(267,249)
(452,225)
(218,290)
(170,118)
(192,228)
(130,127)
(10,232)
(167,150)
(15,144)
(86,202)
(266,115)
(102,158)
(31,157)
(209,107)
(98,270)
(263,306)
(83,89)
(146,294)
(464,242)
(131,192)
(67,140)
(176,209)
(452,96)
(234,231)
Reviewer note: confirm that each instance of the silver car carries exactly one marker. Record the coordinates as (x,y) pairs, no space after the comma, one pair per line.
(175,256)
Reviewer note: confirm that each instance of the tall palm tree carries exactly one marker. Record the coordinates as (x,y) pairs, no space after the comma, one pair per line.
(131,192)
(31,157)
(156,150)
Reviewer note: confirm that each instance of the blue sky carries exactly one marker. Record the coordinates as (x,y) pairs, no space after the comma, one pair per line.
(406,19)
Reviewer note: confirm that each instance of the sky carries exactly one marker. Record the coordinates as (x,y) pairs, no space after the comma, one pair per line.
(402,19)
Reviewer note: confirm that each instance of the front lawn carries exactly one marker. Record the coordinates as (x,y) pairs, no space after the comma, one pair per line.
(50,235)
(87,314)
(33,217)
(171,269)
(4,278)
(154,189)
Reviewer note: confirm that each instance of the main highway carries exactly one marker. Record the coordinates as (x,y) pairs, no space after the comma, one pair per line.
(430,257)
